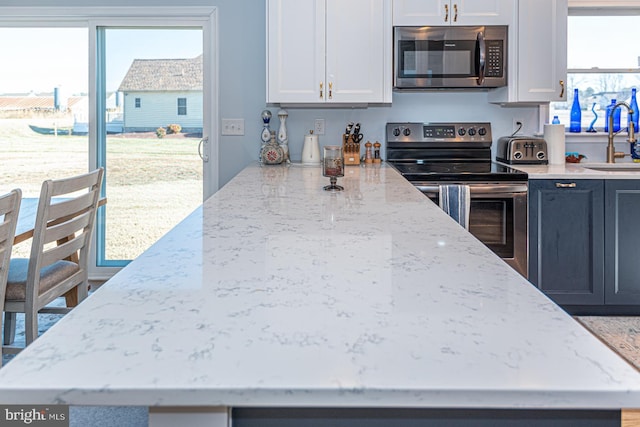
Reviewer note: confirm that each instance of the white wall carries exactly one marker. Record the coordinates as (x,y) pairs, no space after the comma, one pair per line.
(241,36)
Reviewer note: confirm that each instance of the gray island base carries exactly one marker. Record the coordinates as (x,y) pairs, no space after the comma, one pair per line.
(276,301)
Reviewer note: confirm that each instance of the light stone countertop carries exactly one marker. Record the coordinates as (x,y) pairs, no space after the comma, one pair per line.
(277,293)
(628,170)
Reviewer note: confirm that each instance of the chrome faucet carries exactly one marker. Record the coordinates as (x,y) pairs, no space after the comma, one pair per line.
(612,154)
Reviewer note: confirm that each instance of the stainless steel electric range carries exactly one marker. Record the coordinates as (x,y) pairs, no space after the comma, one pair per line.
(431,154)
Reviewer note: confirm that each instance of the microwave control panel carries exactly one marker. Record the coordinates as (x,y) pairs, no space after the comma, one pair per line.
(495,52)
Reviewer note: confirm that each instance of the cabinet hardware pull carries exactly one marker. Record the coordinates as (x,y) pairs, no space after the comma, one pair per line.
(330,90)
(561,88)
(446,13)
(568,185)
(455,12)
(321,91)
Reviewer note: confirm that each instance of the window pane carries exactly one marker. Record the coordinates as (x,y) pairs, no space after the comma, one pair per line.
(603,41)
(153,172)
(43,109)
(595,92)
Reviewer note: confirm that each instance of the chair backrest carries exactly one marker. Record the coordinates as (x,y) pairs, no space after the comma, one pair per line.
(9,209)
(64,221)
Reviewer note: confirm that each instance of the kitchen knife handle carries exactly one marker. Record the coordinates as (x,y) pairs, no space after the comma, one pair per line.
(446,13)
(561,88)
(566,185)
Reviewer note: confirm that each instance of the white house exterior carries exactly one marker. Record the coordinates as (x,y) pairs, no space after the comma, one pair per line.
(160,92)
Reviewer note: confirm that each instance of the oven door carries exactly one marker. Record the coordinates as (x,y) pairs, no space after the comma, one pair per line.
(497,217)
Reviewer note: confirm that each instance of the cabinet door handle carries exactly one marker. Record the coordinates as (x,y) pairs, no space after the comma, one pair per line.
(567,185)
(455,12)
(446,13)
(321,90)
(561,88)
(330,90)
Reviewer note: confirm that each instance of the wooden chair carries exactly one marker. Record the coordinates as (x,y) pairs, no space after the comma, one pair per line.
(59,253)
(9,209)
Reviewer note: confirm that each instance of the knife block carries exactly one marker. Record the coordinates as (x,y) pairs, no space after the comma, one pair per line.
(351,150)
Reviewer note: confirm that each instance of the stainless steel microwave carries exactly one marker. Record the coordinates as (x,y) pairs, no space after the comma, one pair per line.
(450,57)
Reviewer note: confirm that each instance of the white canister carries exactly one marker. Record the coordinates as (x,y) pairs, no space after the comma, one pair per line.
(554,135)
(311,150)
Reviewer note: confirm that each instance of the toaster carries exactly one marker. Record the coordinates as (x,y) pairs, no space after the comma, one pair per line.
(522,150)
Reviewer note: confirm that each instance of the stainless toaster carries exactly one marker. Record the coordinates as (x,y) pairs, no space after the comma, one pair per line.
(522,150)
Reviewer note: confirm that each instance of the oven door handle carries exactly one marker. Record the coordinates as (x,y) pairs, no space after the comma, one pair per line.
(479,188)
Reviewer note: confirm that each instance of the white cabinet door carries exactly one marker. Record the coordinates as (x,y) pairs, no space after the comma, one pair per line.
(358,51)
(421,12)
(542,64)
(295,51)
(453,12)
(537,71)
(483,12)
(329,51)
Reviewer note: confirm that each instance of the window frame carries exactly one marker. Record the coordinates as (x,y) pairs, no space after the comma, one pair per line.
(90,18)
(182,109)
(597,8)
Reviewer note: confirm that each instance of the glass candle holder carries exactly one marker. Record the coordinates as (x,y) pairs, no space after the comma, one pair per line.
(333,166)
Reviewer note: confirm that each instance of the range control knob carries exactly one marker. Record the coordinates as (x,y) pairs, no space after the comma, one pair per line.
(482,131)
(517,155)
(540,155)
(396,132)
(462,132)
(406,132)
(472,132)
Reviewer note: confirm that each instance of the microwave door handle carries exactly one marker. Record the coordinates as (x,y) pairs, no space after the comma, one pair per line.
(482,50)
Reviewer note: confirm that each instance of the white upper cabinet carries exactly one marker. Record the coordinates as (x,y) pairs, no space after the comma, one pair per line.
(537,55)
(453,12)
(329,51)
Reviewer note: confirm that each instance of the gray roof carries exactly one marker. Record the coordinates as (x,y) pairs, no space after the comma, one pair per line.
(151,75)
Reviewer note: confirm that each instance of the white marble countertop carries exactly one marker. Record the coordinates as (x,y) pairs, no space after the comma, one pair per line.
(627,170)
(277,293)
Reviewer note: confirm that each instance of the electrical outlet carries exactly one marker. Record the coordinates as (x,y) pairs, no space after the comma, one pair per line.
(232,126)
(319,127)
(518,125)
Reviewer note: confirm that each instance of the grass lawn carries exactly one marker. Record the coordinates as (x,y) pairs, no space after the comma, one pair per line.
(152,183)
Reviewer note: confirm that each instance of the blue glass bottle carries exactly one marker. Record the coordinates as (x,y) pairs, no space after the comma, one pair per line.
(634,106)
(616,117)
(575,124)
(608,113)
(556,120)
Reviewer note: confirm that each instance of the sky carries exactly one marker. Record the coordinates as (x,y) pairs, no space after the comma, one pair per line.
(40,59)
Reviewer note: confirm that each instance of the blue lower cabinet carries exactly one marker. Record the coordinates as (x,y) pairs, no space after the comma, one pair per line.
(584,244)
(622,244)
(566,240)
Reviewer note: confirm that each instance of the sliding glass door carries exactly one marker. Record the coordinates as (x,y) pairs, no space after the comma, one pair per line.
(150,123)
(154,109)
(135,90)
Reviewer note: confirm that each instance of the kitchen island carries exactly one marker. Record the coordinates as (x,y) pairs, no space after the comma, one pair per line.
(275,294)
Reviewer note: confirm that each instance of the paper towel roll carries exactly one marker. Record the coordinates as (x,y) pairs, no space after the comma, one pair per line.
(554,135)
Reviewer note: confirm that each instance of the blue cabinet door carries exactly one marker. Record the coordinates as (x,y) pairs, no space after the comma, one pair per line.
(622,246)
(566,240)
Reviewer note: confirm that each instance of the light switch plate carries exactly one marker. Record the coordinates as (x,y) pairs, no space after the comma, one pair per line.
(232,126)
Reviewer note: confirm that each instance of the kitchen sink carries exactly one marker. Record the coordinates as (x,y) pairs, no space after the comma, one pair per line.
(613,167)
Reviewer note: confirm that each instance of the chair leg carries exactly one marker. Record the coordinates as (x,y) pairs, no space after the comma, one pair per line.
(9,328)
(30,326)
(83,291)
